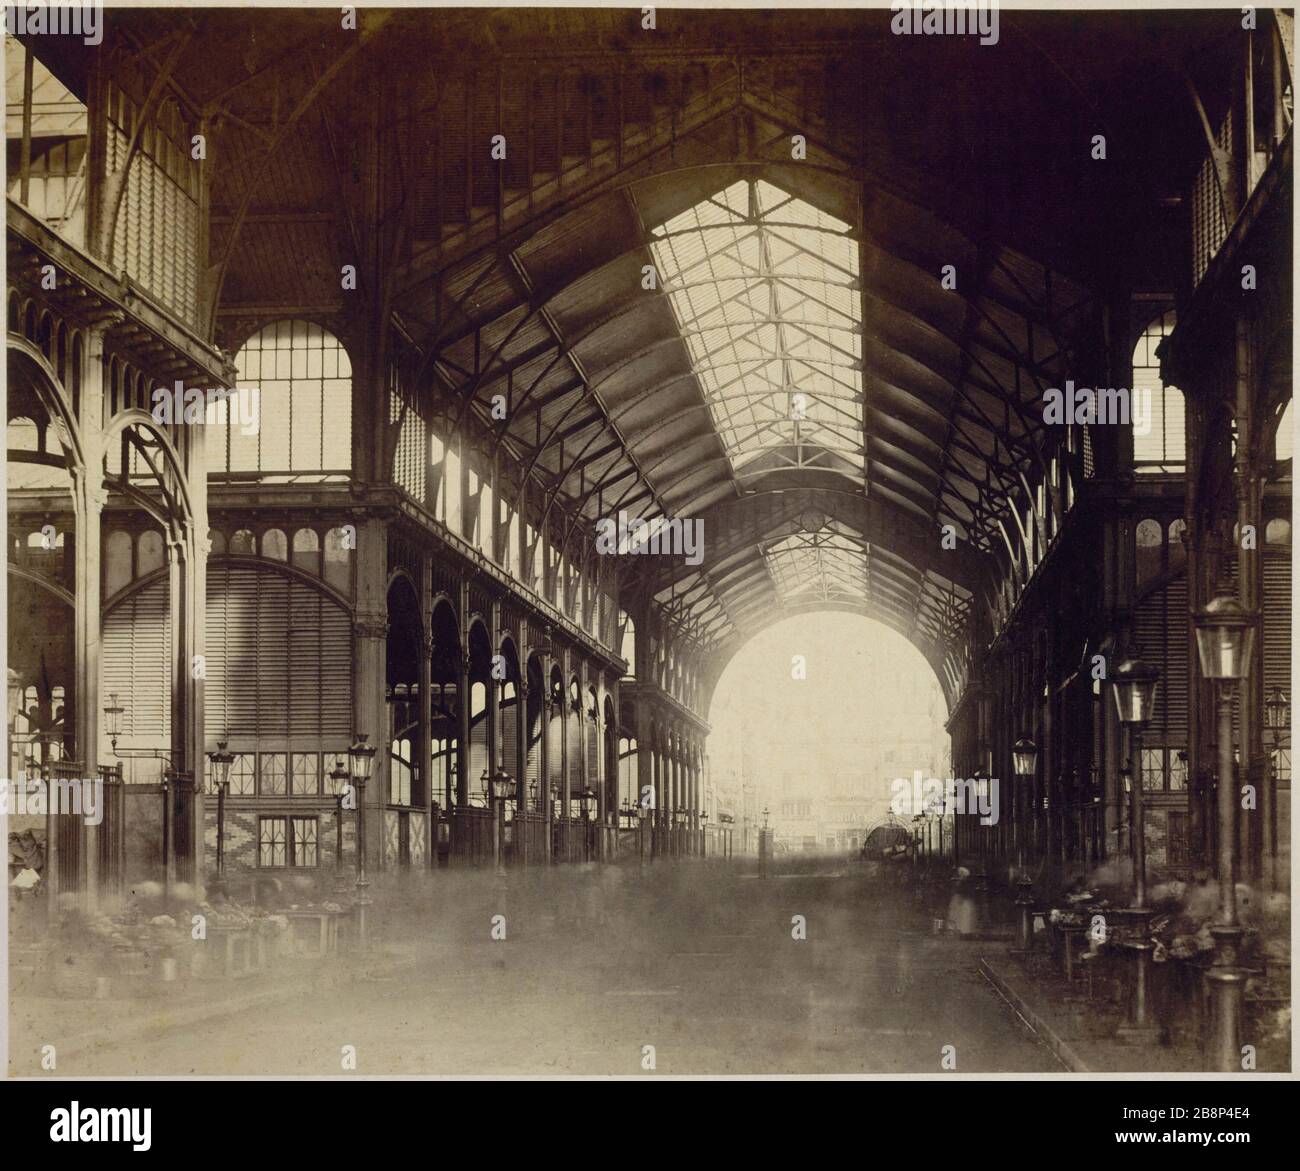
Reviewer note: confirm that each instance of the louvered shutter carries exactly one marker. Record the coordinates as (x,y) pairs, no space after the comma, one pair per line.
(534,762)
(272,676)
(1277,620)
(1149,622)
(336,671)
(1174,667)
(136,664)
(279,659)
(304,644)
(510,735)
(553,751)
(593,755)
(574,731)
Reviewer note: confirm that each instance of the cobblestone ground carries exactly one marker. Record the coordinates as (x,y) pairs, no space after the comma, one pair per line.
(694,969)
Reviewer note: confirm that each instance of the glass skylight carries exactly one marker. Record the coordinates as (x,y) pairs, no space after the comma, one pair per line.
(762,285)
(823,566)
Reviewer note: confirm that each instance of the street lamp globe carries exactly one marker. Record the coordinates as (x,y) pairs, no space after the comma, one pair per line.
(363,758)
(339,778)
(1225,639)
(1024,755)
(220,762)
(113,718)
(1277,710)
(503,785)
(1134,687)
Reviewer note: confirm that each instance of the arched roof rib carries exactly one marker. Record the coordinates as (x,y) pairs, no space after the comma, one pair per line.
(524,278)
(679,395)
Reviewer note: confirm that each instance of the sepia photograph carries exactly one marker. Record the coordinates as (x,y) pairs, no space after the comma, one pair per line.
(648,543)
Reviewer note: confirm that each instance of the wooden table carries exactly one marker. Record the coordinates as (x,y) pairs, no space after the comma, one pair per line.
(1070,932)
(243,949)
(326,933)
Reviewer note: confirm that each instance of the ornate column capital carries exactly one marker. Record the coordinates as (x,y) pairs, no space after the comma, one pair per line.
(367,625)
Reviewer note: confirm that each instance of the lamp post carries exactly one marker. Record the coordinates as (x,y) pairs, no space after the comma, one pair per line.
(362,758)
(641,812)
(340,778)
(220,762)
(764,845)
(1277,718)
(1024,757)
(1225,642)
(587,803)
(981,781)
(1134,687)
(502,783)
(704,833)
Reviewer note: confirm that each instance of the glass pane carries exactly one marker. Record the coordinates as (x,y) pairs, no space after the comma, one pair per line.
(304,841)
(242,775)
(272,774)
(271,842)
(306,774)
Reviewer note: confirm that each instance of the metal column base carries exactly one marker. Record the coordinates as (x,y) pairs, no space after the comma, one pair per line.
(1227,986)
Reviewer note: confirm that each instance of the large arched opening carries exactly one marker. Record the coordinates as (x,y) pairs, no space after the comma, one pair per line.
(813,721)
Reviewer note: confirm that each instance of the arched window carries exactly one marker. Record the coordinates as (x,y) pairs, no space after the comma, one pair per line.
(339,544)
(151,552)
(306,550)
(1159,439)
(293,410)
(117,562)
(274,545)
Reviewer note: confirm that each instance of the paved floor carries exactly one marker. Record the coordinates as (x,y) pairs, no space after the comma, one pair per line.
(690,971)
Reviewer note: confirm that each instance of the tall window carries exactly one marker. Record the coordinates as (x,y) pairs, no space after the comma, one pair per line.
(294,416)
(52,184)
(156,234)
(1157,410)
(287,841)
(449,502)
(510,519)
(486,511)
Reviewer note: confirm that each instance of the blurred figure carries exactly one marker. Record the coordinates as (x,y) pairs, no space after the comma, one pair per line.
(962,915)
